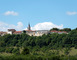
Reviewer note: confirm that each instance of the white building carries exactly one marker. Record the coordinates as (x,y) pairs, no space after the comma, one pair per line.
(11,31)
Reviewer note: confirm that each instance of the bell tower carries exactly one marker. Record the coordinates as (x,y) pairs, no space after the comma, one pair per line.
(29,28)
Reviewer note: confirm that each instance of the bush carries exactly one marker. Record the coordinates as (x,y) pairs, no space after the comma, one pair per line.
(54,58)
(16,51)
(75,46)
(25,51)
(9,50)
(2,49)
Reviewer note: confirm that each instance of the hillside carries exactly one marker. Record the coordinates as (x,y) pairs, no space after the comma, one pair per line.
(60,45)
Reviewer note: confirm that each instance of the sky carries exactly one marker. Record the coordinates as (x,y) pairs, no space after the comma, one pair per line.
(41,14)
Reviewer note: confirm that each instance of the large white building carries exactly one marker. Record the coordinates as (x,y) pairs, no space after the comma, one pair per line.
(36,32)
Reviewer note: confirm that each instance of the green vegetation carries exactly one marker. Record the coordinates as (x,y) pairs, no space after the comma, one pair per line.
(65,29)
(47,47)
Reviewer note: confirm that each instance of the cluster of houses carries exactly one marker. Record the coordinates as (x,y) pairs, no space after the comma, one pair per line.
(31,32)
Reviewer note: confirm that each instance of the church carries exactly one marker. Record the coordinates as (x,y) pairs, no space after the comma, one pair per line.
(35,32)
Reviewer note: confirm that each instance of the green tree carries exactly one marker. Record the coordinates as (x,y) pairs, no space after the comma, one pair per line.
(66,29)
(54,29)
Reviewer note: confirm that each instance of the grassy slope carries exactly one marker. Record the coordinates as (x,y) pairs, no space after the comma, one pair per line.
(72,52)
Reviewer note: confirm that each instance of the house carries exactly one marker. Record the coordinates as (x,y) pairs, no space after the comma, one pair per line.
(41,32)
(11,31)
(59,32)
(3,33)
(17,32)
(36,32)
(30,32)
(53,31)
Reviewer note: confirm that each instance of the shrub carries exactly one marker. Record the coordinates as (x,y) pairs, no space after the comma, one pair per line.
(9,50)
(25,51)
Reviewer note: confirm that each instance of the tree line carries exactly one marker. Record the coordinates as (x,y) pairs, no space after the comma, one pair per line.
(50,40)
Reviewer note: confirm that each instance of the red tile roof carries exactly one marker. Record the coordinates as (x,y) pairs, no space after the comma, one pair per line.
(58,31)
(16,32)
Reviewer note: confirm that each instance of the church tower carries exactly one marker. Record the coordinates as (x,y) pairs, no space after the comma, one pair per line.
(29,28)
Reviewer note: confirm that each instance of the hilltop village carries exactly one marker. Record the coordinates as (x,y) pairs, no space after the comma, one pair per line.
(31,32)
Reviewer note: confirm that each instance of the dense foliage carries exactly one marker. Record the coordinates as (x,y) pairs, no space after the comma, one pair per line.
(24,44)
(51,40)
(65,29)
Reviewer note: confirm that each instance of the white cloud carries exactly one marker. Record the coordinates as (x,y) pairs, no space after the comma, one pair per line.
(19,25)
(11,13)
(39,26)
(46,26)
(5,26)
(71,13)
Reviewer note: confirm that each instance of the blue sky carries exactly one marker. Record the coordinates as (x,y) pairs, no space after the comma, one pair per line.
(37,12)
